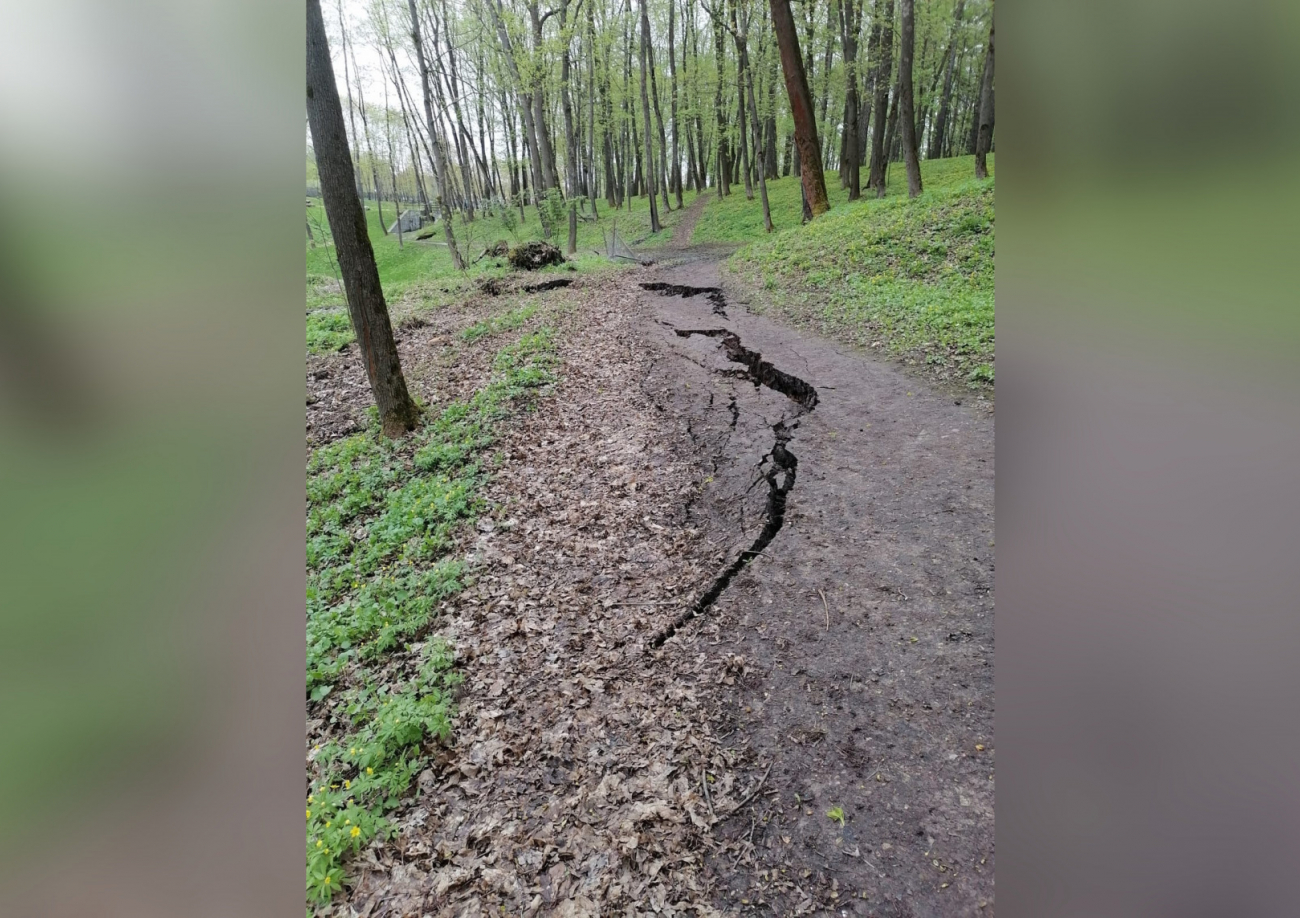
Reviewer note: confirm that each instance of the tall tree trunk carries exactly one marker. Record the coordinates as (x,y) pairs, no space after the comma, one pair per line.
(884,68)
(984,142)
(741,127)
(938,137)
(374,163)
(524,97)
(397,410)
(801,108)
(645,116)
(352,109)
(724,164)
(570,141)
(906,113)
(662,179)
(439,160)
(850,24)
(754,124)
(675,174)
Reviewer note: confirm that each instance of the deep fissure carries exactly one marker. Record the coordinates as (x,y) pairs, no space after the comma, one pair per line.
(781,474)
(759,371)
(714,294)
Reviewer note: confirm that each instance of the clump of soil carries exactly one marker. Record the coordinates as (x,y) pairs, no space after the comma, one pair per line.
(499,248)
(533,255)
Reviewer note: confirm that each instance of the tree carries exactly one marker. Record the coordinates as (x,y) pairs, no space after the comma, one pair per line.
(906,112)
(884,64)
(645,114)
(801,108)
(939,135)
(984,142)
(369,313)
(850,24)
(439,161)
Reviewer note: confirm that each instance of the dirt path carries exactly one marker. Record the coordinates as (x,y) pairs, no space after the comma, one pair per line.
(686,225)
(736,579)
(865,623)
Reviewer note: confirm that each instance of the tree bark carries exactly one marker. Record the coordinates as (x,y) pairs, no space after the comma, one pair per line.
(939,135)
(675,174)
(439,161)
(570,142)
(884,68)
(801,108)
(906,113)
(397,410)
(850,24)
(724,165)
(645,115)
(984,142)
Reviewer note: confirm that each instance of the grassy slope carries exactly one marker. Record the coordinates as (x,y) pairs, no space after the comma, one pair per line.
(914,278)
(420,276)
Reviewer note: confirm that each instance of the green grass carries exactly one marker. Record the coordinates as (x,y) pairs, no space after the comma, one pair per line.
(913,278)
(382,517)
(419,276)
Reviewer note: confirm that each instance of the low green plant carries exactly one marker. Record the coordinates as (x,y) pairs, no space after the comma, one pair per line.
(328,330)
(381,523)
(494,325)
(836,814)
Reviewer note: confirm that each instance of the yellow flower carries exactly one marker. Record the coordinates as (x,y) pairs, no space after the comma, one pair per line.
(311,798)
(347,822)
(328,823)
(370,771)
(347,783)
(355,831)
(319,843)
(327,880)
(309,814)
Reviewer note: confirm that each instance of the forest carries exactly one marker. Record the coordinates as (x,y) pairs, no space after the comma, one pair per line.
(476,106)
(649,414)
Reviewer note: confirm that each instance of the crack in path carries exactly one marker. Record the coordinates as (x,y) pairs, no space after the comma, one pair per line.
(780,477)
(714,294)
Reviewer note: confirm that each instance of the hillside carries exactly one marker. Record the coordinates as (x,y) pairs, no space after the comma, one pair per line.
(910,278)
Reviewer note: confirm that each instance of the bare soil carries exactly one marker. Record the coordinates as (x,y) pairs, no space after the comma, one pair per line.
(737,579)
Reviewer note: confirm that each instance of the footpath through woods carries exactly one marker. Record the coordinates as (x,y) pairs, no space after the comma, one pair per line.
(729,641)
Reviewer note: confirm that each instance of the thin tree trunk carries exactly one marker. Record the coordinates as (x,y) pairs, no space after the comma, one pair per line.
(570,141)
(369,313)
(439,161)
(850,24)
(675,174)
(801,108)
(905,111)
(753,117)
(645,116)
(984,142)
(724,164)
(884,67)
(938,137)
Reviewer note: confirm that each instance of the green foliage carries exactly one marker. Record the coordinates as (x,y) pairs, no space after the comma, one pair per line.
(496,324)
(362,776)
(836,814)
(913,277)
(509,221)
(328,330)
(381,522)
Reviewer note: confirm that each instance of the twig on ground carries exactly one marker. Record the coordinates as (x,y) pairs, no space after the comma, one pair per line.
(704,783)
(750,796)
(828,610)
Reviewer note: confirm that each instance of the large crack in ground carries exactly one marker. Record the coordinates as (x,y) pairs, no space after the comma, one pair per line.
(780,476)
(714,294)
